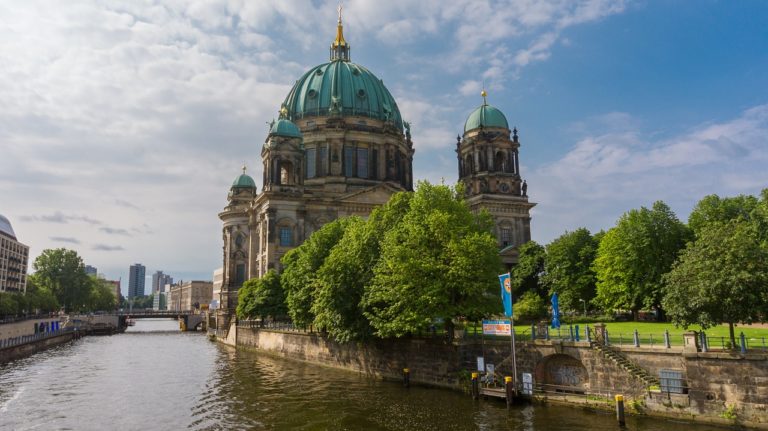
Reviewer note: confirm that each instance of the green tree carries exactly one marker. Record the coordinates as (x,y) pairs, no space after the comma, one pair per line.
(722,277)
(441,261)
(526,275)
(568,268)
(62,272)
(714,209)
(348,270)
(300,266)
(529,307)
(633,256)
(261,297)
(40,299)
(102,297)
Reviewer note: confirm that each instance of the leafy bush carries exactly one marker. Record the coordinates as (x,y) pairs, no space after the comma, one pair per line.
(530,308)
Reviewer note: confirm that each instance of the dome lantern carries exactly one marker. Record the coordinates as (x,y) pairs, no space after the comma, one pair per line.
(339,46)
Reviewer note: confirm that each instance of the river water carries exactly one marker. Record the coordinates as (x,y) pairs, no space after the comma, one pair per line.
(154,377)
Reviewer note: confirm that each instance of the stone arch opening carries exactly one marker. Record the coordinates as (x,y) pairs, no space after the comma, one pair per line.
(562,373)
(500,162)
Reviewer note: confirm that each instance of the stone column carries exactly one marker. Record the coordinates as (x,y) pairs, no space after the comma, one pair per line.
(517,162)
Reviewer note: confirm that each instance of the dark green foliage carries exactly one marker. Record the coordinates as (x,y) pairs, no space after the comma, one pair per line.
(713,209)
(299,277)
(102,296)
(262,297)
(526,275)
(722,277)
(633,256)
(530,307)
(440,262)
(568,268)
(62,272)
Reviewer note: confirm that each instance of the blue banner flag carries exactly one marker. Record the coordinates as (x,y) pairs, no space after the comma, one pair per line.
(555,312)
(506,293)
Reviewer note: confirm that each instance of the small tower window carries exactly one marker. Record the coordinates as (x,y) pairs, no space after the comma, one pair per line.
(323,162)
(362,162)
(311,162)
(349,161)
(286,236)
(506,236)
(500,164)
(286,172)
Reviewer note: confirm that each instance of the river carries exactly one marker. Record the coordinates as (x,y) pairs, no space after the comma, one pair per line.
(154,377)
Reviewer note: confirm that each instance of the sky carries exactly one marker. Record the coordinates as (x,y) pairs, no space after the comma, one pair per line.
(123,123)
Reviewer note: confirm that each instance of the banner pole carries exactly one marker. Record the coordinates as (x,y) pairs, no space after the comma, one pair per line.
(514,357)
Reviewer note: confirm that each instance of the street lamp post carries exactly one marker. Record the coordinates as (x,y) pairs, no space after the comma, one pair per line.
(585,306)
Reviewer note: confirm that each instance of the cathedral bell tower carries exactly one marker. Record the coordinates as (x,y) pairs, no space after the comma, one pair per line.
(283,157)
(489,167)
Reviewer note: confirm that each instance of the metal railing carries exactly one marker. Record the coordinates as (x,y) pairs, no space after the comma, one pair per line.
(33,338)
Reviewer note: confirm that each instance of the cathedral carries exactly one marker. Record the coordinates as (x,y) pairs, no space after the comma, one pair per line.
(340,148)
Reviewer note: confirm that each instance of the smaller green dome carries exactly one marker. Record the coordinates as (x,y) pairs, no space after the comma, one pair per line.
(244,181)
(285,127)
(486,116)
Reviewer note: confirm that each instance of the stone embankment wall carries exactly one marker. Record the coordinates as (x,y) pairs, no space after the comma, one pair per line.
(21,351)
(721,387)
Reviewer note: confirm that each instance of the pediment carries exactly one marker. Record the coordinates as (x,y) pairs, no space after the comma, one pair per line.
(377,195)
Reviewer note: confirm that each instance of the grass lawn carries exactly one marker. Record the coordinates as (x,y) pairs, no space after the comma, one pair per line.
(653,333)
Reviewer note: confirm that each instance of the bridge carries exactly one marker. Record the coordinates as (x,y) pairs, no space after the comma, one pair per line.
(190,320)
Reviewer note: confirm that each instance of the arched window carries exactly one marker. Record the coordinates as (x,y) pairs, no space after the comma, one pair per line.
(286,172)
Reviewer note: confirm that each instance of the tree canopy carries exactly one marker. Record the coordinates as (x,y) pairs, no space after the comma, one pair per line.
(439,262)
(633,256)
(714,209)
(262,297)
(568,268)
(299,276)
(526,275)
(722,277)
(62,272)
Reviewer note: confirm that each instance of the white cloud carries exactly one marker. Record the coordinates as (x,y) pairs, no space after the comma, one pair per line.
(604,175)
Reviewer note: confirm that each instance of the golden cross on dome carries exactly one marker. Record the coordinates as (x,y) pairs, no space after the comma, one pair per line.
(243,167)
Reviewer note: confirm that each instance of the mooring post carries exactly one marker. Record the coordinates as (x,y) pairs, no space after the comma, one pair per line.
(666,339)
(703,338)
(576,332)
(533,331)
(743,344)
(637,339)
(547,333)
(475,386)
(406,377)
(509,388)
(586,332)
(620,410)
(607,342)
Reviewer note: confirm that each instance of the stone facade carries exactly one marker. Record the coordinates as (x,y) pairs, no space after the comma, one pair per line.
(189,295)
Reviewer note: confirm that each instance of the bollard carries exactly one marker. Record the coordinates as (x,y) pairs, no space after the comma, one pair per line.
(666,339)
(636,339)
(620,410)
(586,332)
(406,377)
(703,338)
(509,388)
(576,331)
(607,343)
(475,389)
(570,332)
(546,333)
(533,331)
(743,344)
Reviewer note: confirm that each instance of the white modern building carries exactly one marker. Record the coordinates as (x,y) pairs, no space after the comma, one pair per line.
(14,260)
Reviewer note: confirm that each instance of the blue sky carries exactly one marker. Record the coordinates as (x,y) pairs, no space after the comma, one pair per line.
(124,122)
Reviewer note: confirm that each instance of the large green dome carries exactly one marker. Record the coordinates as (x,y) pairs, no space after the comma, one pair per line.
(486,116)
(342,88)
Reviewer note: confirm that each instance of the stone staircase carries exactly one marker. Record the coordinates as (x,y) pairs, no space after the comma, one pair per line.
(630,367)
